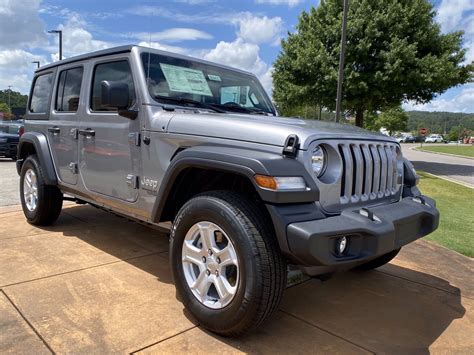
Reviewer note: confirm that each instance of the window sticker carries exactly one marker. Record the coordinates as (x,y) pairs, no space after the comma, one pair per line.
(214,77)
(185,80)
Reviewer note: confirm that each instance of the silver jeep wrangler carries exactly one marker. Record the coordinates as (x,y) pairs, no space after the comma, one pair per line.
(156,137)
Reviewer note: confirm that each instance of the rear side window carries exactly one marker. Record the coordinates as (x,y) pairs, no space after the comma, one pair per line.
(41,91)
(69,89)
(113,71)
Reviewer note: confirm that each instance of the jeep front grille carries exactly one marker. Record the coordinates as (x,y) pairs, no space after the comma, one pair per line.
(369,171)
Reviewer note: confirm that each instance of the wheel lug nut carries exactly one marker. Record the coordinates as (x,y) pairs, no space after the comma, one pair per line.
(208,272)
(217,273)
(209,252)
(218,260)
(203,259)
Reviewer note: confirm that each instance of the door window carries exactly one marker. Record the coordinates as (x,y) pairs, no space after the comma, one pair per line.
(41,91)
(69,89)
(113,71)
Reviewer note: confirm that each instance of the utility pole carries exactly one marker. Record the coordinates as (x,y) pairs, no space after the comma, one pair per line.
(37,62)
(341,60)
(60,33)
(9,94)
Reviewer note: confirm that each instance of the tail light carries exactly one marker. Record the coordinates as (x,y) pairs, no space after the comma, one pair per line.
(21,131)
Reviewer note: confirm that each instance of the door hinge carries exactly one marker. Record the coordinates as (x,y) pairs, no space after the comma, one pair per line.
(73,167)
(74,133)
(134,138)
(132,181)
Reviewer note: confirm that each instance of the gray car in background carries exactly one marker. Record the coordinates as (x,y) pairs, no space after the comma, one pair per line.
(157,137)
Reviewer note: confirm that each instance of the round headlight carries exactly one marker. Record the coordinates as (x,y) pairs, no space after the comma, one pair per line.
(318,161)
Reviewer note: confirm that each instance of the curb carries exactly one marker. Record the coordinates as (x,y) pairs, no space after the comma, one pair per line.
(439,153)
(450,180)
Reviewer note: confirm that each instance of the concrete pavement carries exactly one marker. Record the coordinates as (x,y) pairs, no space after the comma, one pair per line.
(451,167)
(97,283)
(9,180)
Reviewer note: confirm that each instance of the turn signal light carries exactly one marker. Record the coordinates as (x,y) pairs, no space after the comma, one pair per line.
(281,183)
(267,182)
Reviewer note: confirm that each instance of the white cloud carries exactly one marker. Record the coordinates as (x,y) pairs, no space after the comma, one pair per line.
(16,68)
(257,30)
(290,3)
(455,15)
(172,35)
(77,39)
(464,102)
(242,55)
(195,2)
(450,13)
(20,24)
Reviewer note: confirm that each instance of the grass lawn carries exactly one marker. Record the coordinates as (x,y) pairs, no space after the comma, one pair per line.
(466,150)
(456,206)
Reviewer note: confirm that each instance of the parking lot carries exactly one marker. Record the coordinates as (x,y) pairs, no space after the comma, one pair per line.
(97,283)
(9,191)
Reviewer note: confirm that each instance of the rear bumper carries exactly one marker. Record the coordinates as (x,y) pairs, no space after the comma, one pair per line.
(313,243)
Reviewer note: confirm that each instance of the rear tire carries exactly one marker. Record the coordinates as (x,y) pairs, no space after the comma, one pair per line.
(41,203)
(380,261)
(258,269)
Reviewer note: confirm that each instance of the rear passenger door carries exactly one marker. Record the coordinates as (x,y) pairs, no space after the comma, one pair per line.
(63,127)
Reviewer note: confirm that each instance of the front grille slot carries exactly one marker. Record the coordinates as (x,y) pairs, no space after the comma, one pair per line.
(369,171)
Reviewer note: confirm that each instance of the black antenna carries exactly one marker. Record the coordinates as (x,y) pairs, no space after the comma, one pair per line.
(149,54)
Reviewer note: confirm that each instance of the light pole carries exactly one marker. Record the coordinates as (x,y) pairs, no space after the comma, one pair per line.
(9,93)
(37,62)
(60,33)
(341,60)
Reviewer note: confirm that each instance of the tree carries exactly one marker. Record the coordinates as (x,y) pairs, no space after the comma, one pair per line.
(4,107)
(393,120)
(395,52)
(16,98)
(5,112)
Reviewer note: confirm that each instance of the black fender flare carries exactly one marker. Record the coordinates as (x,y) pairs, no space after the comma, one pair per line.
(242,161)
(40,143)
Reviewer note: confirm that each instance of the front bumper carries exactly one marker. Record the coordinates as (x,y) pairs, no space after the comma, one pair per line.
(375,232)
(8,150)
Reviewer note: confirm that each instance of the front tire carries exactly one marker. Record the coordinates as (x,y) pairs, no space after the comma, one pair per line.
(41,203)
(227,266)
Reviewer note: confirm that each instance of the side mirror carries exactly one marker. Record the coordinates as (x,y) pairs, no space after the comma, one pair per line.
(115,94)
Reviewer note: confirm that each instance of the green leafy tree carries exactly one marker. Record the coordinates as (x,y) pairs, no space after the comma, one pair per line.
(4,107)
(17,99)
(393,120)
(395,52)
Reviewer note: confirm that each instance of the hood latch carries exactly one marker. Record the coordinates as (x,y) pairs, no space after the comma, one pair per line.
(291,146)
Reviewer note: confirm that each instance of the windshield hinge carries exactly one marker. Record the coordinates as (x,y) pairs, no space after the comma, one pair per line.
(134,138)
(291,146)
(132,181)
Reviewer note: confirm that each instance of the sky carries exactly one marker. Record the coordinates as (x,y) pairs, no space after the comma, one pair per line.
(240,33)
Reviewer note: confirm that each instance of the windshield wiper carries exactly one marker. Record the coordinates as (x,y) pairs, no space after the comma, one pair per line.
(183,101)
(242,109)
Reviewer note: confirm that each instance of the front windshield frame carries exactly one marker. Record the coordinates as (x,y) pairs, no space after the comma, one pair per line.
(250,89)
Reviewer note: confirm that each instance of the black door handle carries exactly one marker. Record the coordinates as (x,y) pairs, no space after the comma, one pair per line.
(54,130)
(88,132)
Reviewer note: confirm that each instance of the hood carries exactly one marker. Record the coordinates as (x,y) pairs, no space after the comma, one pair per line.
(8,135)
(265,129)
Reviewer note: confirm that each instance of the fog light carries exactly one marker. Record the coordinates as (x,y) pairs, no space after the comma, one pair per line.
(341,245)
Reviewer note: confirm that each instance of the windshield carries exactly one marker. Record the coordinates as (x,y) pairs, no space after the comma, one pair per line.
(184,82)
